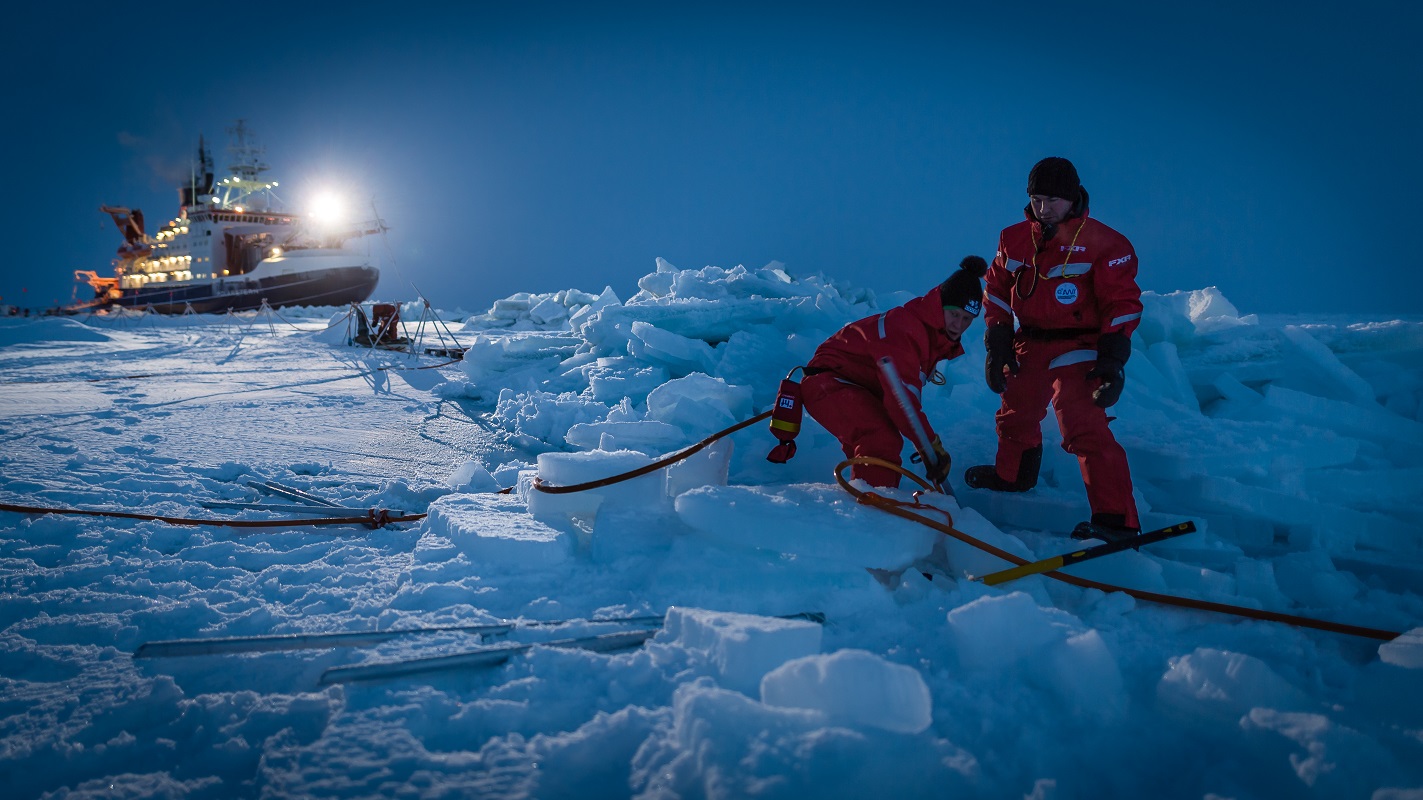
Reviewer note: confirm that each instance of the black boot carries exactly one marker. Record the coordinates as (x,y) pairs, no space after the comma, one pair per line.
(1107,527)
(986,476)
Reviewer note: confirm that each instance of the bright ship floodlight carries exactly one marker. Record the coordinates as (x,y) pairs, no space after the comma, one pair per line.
(327,207)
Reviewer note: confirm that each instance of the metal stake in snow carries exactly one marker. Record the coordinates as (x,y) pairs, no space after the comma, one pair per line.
(310,641)
(493,656)
(268,643)
(287,491)
(483,657)
(921,436)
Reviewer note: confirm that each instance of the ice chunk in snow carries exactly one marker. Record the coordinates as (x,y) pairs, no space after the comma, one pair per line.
(699,404)
(1307,520)
(1166,359)
(659,282)
(472,476)
(719,743)
(994,633)
(646,492)
(493,531)
(741,648)
(812,520)
(582,315)
(512,305)
(1405,651)
(1328,375)
(1372,423)
(1048,647)
(1215,686)
(1084,675)
(544,416)
(709,466)
(1233,390)
(680,354)
(761,356)
(853,687)
(1310,579)
(970,560)
(612,379)
(339,330)
(1181,316)
(548,310)
(646,436)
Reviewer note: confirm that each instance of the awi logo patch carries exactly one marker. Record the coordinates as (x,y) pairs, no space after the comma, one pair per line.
(1067,294)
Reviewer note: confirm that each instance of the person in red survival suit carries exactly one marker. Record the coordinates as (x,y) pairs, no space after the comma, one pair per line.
(847,391)
(1071,282)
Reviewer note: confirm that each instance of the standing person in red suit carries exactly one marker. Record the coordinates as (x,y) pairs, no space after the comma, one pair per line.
(868,407)
(1071,283)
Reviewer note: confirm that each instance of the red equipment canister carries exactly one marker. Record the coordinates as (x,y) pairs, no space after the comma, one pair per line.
(785,419)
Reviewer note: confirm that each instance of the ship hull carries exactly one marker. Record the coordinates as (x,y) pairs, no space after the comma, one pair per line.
(311,278)
(333,287)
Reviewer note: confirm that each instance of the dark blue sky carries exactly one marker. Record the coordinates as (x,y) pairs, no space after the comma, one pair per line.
(542,146)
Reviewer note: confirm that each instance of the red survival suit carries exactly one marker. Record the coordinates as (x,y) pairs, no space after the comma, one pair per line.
(1065,292)
(845,389)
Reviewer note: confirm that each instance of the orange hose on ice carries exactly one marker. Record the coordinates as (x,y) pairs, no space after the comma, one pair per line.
(902,509)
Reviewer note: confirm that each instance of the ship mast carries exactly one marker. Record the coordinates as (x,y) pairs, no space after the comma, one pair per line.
(199,188)
(245,186)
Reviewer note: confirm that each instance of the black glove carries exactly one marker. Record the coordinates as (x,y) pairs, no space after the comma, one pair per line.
(937,471)
(1113,350)
(999,341)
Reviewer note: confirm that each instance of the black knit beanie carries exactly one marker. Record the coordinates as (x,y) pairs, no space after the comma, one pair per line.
(1055,177)
(962,289)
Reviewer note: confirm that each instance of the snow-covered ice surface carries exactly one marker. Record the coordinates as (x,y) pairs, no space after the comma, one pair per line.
(1296,445)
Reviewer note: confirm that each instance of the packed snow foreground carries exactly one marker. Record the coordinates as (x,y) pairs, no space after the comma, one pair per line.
(1295,445)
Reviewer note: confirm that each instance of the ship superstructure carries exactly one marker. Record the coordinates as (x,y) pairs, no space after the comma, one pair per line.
(232,246)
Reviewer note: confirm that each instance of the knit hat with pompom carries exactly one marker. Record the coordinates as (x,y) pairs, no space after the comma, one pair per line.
(962,289)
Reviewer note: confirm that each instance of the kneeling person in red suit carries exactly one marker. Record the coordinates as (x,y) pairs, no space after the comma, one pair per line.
(871,408)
